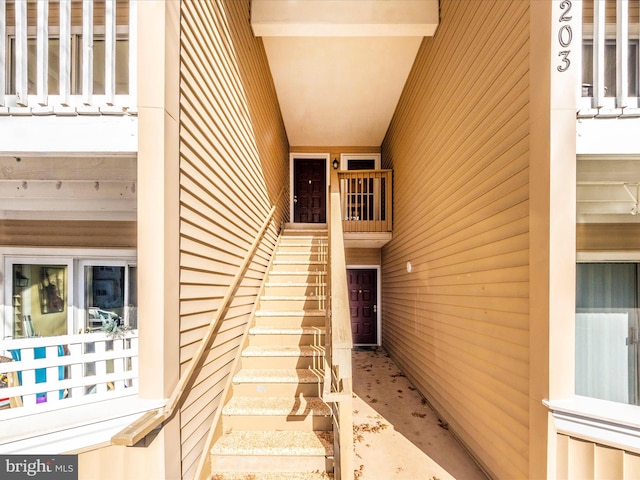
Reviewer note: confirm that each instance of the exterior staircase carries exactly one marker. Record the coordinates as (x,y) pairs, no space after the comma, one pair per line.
(276,425)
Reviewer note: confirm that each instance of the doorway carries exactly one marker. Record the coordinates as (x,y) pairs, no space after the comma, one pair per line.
(309,190)
(362,284)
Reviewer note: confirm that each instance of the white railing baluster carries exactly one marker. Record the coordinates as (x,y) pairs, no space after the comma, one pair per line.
(42,66)
(622,53)
(110,51)
(76,370)
(134,364)
(133,56)
(101,367)
(65,52)
(3,48)
(599,19)
(119,363)
(21,74)
(87,51)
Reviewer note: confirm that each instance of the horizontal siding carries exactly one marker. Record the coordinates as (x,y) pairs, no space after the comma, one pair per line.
(458,324)
(233,164)
(607,237)
(67,233)
(583,459)
(610,11)
(362,256)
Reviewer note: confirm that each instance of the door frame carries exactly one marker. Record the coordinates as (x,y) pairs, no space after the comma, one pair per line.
(319,156)
(377,268)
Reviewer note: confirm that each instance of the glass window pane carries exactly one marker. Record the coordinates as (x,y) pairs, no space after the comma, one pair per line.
(104,295)
(39,303)
(606,331)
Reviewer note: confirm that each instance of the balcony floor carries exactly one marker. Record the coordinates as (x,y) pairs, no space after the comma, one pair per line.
(397,436)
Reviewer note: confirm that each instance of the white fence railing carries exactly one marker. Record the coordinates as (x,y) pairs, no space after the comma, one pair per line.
(610,56)
(67,370)
(68,58)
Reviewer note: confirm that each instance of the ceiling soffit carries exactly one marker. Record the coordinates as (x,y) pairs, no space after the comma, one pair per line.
(339,66)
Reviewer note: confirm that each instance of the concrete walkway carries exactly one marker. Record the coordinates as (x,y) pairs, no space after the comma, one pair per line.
(396,434)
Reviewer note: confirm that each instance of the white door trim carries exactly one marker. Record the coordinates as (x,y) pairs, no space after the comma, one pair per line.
(292,157)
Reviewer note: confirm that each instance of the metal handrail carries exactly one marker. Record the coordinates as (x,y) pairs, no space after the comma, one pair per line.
(140,428)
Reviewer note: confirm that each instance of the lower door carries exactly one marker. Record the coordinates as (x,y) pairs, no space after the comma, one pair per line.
(363,295)
(309,190)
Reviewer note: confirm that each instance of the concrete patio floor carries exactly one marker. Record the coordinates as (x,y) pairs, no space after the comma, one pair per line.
(396,434)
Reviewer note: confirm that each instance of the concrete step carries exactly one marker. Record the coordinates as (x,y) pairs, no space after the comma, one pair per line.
(296,276)
(266,382)
(272,451)
(294,288)
(293,248)
(273,476)
(286,336)
(283,357)
(277,413)
(307,266)
(292,302)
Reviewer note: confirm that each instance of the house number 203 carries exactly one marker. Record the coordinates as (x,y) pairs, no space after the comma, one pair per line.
(565,36)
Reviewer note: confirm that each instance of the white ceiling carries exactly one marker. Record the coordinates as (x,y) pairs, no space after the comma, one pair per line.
(339,66)
(601,193)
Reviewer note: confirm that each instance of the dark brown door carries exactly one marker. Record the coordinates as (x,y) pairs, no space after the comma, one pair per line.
(363,294)
(309,190)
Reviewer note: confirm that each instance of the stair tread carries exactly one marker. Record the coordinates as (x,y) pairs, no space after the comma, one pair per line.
(273,476)
(283,351)
(282,442)
(294,284)
(300,262)
(273,330)
(278,375)
(291,313)
(292,297)
(290,405)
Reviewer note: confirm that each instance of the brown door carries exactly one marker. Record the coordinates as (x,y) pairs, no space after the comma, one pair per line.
(309,190)
(363,294)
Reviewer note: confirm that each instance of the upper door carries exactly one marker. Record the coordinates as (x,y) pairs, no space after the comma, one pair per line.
(309,190)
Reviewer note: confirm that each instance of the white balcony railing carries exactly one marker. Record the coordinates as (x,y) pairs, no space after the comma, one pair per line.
(610,58)
(41,373)
(68,58)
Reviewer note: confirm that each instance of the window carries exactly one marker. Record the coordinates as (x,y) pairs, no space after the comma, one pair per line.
(609,69)
(58,296)
(607,298)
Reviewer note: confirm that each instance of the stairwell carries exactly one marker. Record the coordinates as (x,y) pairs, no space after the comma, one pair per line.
(276,425)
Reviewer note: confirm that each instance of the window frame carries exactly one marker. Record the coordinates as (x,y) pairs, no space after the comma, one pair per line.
(70,257)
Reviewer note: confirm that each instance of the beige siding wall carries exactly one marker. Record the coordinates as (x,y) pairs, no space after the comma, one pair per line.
(67,233)
(607,237)
(233,164)
(577,459)
(362,256)
(458,324)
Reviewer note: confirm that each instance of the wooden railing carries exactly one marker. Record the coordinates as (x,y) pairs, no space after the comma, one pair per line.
(337,388)
(365,200)
(154,418)
(67,370)
(94,49)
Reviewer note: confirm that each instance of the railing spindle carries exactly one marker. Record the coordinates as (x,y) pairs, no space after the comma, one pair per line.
(110,52)
(22,79)
(622,53)
(65,52)
(42,69)
(3,48)
(87,51)
(599,19)
(133,55)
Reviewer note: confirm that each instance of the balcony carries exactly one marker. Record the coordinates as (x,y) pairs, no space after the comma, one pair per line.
(67,384)
(366,205)
(610,59)
(75,60)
